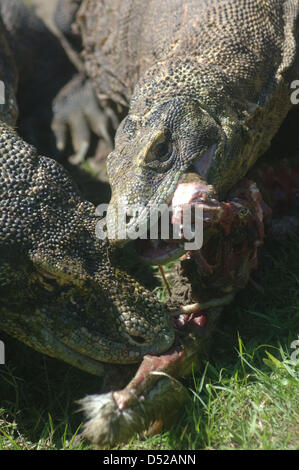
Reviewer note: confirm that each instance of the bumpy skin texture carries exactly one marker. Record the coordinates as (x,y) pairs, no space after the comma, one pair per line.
(59,291)
(175,65)
(207,84)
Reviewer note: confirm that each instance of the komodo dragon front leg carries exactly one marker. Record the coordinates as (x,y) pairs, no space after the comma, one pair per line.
(77,110)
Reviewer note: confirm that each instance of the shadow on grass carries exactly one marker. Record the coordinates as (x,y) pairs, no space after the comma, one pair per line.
(38,393)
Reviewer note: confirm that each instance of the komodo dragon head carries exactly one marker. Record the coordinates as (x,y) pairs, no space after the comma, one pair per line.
(169,131)
(59,292)
(185,117)
(163,144)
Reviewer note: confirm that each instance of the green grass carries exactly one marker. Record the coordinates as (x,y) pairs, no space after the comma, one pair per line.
(245,397)
(248,407)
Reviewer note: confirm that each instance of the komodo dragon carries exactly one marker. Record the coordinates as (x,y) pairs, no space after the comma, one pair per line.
(59,291)
(174,65)
(207,84)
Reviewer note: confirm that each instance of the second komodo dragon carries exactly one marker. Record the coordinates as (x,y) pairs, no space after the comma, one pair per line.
(59,291)
(207,84)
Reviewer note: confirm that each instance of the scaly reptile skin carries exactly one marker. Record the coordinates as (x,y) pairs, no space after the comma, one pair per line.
(207,83)
(59,291)
(175,63)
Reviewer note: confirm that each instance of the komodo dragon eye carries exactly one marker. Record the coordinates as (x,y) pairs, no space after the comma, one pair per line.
(162,151)
(158,154)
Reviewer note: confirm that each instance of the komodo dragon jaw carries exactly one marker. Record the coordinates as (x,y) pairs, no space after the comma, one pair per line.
(59,291)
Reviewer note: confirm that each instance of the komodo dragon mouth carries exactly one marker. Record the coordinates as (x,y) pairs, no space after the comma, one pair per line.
(191,193)
(208,278)
(210,275)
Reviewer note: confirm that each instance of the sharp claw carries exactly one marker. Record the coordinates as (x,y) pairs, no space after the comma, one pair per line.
(80,136)
(77,111)
(98,122)
(113,117)
(59,129)
(79,156)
